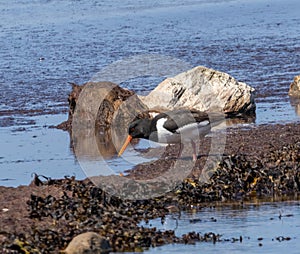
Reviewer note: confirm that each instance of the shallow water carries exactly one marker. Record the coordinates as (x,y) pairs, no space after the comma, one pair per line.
(37,149)
(46,44)
(265,227)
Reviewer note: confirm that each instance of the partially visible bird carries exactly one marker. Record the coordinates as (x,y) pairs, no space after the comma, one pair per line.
(173,127)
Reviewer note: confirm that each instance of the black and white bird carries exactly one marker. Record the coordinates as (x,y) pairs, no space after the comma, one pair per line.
(173,127)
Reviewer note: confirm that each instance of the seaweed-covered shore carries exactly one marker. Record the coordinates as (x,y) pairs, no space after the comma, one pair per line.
(260,162)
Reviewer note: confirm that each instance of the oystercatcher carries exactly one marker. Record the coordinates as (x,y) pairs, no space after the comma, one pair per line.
(173,127)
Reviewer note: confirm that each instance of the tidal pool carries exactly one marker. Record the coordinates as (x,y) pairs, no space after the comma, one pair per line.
(259,227)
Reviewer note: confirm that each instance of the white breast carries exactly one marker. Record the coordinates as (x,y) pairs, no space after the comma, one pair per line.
(165,136)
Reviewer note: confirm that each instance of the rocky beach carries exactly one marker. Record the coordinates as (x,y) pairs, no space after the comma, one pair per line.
(47,214)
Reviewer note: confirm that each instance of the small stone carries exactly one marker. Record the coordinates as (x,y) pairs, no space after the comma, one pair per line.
(295,87)
(88,243)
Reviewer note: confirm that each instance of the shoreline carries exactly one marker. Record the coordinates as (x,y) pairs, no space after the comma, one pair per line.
(264,165)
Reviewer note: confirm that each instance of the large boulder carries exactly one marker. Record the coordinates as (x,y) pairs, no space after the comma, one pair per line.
(101,98)
(88,243)
(295,87)
(203,89)
(99,116)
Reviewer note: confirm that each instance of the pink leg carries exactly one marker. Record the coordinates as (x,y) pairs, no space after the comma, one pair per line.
(180,149)
(194,150)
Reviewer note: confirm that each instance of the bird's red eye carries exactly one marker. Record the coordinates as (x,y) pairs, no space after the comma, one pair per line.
(131,130)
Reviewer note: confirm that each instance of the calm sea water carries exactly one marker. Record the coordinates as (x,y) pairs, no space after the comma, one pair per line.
(45,44)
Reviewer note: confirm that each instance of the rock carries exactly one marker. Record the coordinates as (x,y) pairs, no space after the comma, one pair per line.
(107,95)
(99,116)
(72,100)
(88,243)
(295,87)
(203,89)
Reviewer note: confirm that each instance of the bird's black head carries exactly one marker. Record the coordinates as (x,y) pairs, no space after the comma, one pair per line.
(140,128)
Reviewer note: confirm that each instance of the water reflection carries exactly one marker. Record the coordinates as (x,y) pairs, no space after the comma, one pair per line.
(295,102)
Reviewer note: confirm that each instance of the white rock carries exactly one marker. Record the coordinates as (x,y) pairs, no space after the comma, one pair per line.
(203,89)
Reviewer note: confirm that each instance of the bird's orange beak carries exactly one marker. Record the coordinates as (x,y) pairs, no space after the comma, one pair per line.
(127,141)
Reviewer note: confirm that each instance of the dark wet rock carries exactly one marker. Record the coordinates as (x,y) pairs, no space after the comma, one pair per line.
(295,87)
(88,243)
(72,100)
(98,103)
(104,110)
